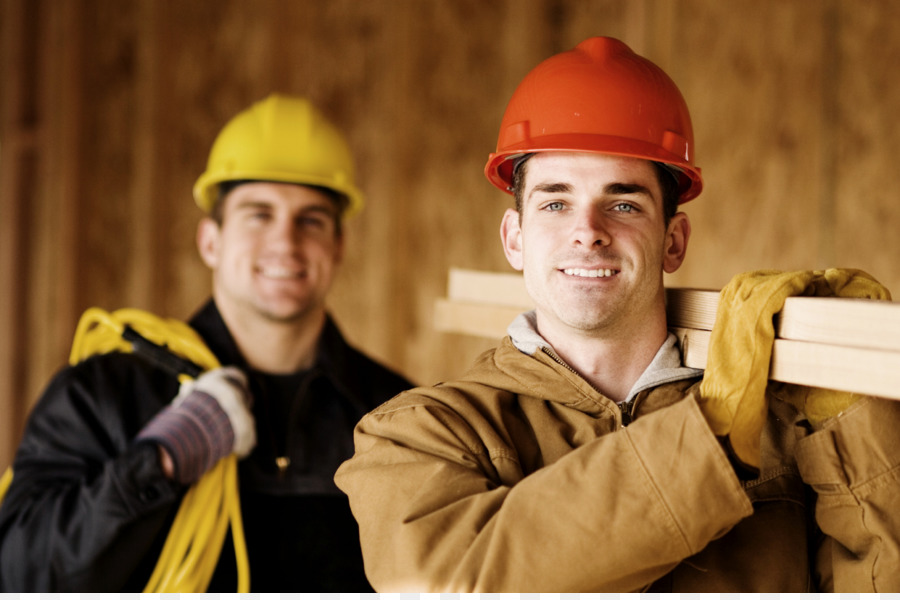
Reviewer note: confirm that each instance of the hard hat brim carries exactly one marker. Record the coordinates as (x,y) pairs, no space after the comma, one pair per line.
(499,166)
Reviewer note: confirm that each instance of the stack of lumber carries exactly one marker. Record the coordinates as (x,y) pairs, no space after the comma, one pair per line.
(836,343)
(481,303)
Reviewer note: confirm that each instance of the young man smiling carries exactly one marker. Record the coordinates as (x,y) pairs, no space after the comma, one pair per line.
(274,255)
(579,455)
(108,454)
(593,241)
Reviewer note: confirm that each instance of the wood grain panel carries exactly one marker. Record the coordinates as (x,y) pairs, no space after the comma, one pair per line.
(16,160)
(751,74)
(110,108)
(866,132)
(54,242)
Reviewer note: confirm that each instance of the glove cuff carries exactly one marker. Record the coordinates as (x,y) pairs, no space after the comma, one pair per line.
(196,433)
(236,408)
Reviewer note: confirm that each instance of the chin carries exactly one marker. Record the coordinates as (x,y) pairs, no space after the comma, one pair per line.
(284,314)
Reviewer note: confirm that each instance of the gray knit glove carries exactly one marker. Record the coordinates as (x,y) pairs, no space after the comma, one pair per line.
(209,419)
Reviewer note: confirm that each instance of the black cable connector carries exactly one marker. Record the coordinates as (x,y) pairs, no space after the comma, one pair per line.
(160,355)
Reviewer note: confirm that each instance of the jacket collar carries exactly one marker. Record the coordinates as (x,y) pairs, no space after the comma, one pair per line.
(333,355)
(666,366)
(209,324)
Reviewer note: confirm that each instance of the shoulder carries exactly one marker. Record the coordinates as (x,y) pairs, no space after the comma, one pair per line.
(434,420)
(116,390)
(377,371)
(361,376)
(496,378)
(471,403)
(114,371)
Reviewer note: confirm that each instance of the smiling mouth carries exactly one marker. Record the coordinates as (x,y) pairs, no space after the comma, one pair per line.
(590,273)
(279,273)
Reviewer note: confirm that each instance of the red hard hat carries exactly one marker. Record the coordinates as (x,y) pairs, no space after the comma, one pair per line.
(598,97)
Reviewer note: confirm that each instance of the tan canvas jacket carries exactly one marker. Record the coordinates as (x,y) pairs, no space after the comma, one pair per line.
(521,477)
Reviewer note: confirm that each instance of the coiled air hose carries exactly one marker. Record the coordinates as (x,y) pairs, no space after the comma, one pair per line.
(192,548)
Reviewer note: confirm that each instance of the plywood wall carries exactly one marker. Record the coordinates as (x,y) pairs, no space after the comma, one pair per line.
(109,108)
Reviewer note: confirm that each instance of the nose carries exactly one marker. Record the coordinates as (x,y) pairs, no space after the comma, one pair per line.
(284,233)
(590,228)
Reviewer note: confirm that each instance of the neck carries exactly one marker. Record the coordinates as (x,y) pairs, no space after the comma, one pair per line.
(277,347)
(612,363)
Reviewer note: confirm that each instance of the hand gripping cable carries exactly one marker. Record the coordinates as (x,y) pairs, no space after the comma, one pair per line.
(194,543)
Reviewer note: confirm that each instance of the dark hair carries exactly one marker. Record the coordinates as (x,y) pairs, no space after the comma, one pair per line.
(518,183)
(668,184)
(340,201)
(670,188)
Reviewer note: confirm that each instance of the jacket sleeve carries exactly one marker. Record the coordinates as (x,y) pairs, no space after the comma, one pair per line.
(853,465)
(439,511)
(85,505)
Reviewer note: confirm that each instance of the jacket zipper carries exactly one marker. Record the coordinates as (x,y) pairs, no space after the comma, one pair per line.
(561,362)
(625,408)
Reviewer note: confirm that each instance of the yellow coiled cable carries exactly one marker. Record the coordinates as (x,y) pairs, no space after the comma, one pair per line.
(5,480)
(195,541)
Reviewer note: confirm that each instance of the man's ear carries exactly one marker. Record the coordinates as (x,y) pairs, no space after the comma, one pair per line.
(677,235)
(208,234)
(511,235)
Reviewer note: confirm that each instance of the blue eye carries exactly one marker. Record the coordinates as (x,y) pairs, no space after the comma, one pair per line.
(625,207)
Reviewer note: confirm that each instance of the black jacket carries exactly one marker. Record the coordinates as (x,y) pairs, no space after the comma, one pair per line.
(89,510)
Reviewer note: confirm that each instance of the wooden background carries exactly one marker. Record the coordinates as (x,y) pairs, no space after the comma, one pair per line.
(108,109)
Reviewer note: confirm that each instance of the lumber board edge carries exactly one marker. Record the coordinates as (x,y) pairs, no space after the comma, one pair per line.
(469,318)
(869,371)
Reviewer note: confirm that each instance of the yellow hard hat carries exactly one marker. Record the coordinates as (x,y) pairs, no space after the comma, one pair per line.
(284,139)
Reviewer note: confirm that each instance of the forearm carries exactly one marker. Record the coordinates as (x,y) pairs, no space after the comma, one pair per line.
(614,514)
(853,464)
(61,525)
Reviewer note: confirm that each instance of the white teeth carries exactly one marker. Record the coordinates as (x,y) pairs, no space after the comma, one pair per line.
(589,272)
(278,273)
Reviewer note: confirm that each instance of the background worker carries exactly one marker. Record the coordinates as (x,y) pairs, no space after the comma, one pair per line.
(105,458)
(579,454)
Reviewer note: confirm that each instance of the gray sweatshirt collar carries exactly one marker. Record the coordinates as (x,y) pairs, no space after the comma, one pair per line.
(666,366)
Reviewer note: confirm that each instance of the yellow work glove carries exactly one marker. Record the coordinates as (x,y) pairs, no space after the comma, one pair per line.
(816,404)
(733,390)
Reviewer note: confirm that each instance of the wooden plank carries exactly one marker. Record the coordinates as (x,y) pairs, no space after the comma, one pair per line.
(852,369)
(694,345)
(691,308)
(501,289)
(861,370)
(491,321)
(855,322)
(836,343)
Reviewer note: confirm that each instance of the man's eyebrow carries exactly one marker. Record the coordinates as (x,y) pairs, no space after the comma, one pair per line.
(626,189)
(252,203)
(552,188)
(326,209)
(613,189)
